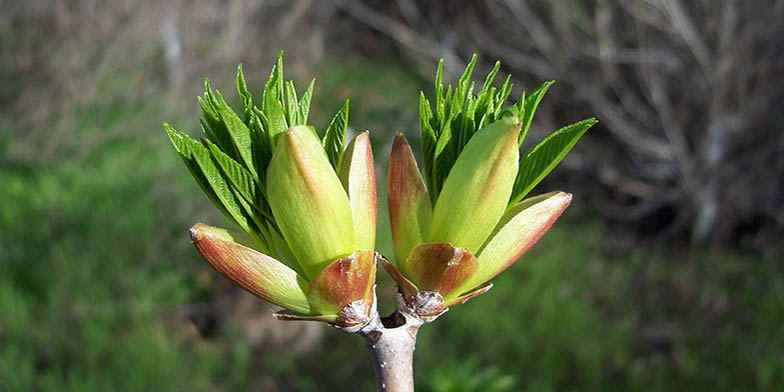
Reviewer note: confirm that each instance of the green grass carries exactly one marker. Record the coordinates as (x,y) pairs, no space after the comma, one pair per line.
(97,277)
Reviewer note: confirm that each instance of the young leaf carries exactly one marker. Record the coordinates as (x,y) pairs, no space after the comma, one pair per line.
(218,184)
(291,104)
(531,102)
(239,132)
(245,94)
(335,136)
(428,136)
(274,113)
(274,117)
(462,87)
(502,95)
(304,103)
(439,108)
(274,86)
(443,160)
(545,156)
(490,77)
(212,125)
(237,175)
(520,106)
(262,149)
(182,143)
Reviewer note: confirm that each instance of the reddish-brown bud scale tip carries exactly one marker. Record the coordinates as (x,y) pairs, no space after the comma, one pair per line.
(441,267)
(345,281)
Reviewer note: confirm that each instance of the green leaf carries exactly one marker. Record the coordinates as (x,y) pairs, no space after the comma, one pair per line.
(257,224)
(531,102)
(463,91)
(428,136)
(304,103)
(245,94)
(520,106)
(262,149)
(274,84)
(212,125)
(291,104)
(238,176)
(239,132)
(540,160)
(242,87)
(439,108)
(274,113)
(490,77)
(274,118)
(182,143)
(502,95)
(218,184)
(335,136)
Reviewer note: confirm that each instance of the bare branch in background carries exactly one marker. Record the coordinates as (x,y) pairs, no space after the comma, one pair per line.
(683,91)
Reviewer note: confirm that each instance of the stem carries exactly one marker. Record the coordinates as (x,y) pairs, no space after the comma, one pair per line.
(391,342)
(392,350)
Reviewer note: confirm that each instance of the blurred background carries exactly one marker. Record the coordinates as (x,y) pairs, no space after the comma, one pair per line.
(665,274)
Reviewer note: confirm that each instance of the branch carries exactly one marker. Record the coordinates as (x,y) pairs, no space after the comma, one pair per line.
(391,27)
(391,342)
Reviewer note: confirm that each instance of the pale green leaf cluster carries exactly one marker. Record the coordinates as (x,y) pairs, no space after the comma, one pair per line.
(457,114)
(230,161)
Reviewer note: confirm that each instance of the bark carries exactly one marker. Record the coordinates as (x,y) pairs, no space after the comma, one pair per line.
(392,351)
(391,343)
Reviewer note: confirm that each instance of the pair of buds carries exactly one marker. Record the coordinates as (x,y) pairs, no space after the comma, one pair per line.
(446,251)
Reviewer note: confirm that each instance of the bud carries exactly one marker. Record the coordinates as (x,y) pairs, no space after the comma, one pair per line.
(409,203)
(345,288)
(308,201)
(255,272)
(519,229)
(439,272)
(358,175)
(476,191)
(270,174)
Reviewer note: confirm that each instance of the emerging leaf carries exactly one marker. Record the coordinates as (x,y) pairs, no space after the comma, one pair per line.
(239,133)
(455,118)
(358,175)
(308,201)
(476,193)
(304,103)
(540,160)
(528,107)
(200,161)
(335,136)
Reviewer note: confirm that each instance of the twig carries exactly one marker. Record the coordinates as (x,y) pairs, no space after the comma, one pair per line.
(391,342)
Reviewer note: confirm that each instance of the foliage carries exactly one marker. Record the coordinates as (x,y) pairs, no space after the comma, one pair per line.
(456,116)
(230,163)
